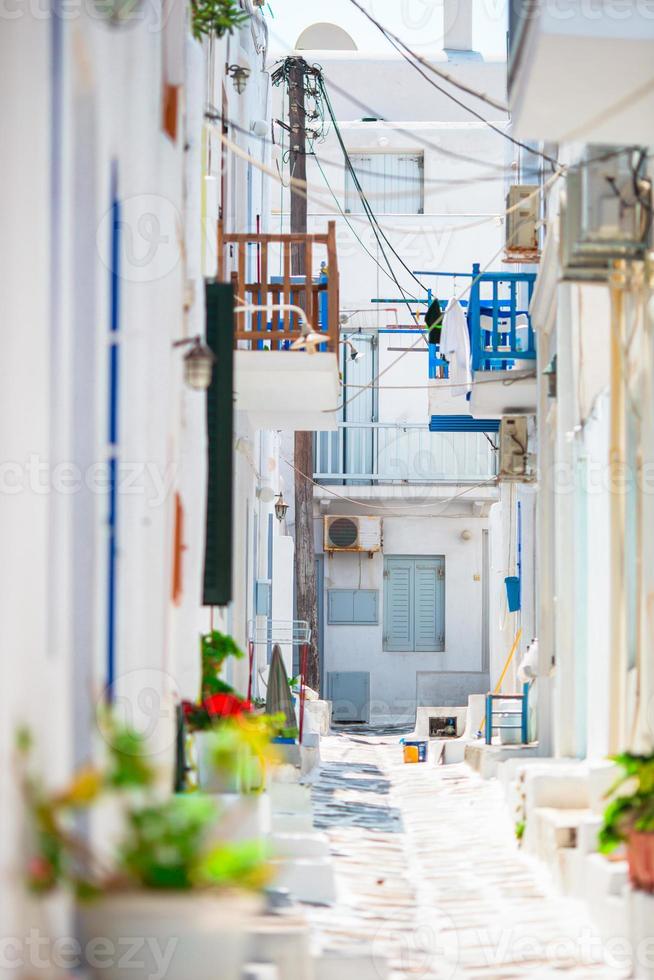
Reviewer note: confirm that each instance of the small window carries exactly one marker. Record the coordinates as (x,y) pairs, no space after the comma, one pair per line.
(392,182)
(414,605)
(353,607)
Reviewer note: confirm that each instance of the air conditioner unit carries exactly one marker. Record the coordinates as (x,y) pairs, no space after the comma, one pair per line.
(605,213)
(523,207)
(359,534)
(514,455)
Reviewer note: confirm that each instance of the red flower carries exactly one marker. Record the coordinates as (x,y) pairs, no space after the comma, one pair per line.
(226,705)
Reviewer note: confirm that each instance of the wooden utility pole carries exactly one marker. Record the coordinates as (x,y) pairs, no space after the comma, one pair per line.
(305,556)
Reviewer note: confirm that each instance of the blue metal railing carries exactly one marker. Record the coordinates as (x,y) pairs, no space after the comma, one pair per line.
(498,317)
(523,712)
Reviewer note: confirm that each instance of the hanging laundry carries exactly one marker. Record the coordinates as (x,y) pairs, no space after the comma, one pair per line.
(455,346)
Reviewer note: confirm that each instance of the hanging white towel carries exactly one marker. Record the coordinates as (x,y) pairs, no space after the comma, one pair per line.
(455,346)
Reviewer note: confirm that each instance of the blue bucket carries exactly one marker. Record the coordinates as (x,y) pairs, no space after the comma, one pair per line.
(513,592)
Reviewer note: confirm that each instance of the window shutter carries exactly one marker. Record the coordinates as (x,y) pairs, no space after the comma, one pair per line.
(217,589)
(398,606)
(429,604)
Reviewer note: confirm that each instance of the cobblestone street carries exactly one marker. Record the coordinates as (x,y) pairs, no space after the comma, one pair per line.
(429,876)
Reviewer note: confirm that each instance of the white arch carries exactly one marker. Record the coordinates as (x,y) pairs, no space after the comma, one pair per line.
(325,37)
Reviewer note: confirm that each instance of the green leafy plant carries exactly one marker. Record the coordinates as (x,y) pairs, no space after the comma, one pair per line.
(215,649)
(520,830)
(216,17)
(241,748)
(632,809)
(169,844)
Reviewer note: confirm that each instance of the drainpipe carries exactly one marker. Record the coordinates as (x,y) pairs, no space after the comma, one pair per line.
(617,470)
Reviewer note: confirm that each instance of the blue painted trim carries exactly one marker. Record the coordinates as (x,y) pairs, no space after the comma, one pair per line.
(489,719)
(525,714)
(462,423)
(113,434)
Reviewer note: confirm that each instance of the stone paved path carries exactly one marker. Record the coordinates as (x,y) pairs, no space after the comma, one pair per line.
(430,879)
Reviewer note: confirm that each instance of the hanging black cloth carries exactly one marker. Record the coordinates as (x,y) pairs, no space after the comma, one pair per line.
(434,320)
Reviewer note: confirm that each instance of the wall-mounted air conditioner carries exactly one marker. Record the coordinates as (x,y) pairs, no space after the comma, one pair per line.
(523,215)
(514,450)
(605,212)
(359,534)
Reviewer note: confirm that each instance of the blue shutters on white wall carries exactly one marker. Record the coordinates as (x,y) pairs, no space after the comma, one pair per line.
(398,604)
(414,604)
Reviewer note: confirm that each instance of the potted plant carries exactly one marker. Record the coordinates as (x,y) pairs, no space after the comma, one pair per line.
(629,818)
(232,740)
(215,18)
(172,892)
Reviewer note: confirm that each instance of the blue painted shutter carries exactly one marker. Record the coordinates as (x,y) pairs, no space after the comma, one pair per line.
(429,604)
(398,605)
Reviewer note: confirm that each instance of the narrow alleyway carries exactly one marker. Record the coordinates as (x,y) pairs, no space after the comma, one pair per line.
(429,876)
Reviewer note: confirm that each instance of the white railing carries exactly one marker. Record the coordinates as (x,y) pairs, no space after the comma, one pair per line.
(381,452)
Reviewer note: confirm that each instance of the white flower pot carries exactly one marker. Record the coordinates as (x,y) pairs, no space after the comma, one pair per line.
(168,935)
(212,780)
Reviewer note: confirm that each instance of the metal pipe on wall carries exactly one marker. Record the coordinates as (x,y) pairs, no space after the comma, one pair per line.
(617,468)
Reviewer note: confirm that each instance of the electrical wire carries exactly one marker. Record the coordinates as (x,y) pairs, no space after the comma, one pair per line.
(213,115)
(415,137)
(300,186)
(492,481)
(351,227)
(506,382)
(466,290)
(429,65)
(376,227)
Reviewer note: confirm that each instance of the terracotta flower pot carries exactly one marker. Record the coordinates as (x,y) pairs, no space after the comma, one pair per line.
(640,855)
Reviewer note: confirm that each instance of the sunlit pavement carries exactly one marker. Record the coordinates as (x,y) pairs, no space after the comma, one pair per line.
(430,880)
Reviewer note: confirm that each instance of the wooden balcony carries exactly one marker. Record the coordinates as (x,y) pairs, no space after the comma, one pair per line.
(280,385)
(254,256)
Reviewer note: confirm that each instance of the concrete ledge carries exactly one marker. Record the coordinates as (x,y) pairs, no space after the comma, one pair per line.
(292,823)
(485,759)
(640,919)
(317,717)
(284,943)
(299,845)
(290,797)
(350,965)
(308,880)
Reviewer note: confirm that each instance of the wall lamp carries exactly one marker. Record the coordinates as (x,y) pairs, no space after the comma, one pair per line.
(355,354)
(239,77)
(281,507)
(198,363)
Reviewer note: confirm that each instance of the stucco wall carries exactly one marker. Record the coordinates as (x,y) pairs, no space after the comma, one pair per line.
(393,681)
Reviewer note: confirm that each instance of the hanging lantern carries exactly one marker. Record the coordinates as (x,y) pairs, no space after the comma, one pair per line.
(198,363)
(281,507)
(239,77)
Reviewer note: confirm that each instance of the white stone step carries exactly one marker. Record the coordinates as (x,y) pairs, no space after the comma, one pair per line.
(292,823)
(283,941)
(350,965)
(604,877)
(307,879)
(290,797)
(299,845)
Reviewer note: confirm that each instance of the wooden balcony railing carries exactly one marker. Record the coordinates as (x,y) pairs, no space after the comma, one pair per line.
(318,296)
